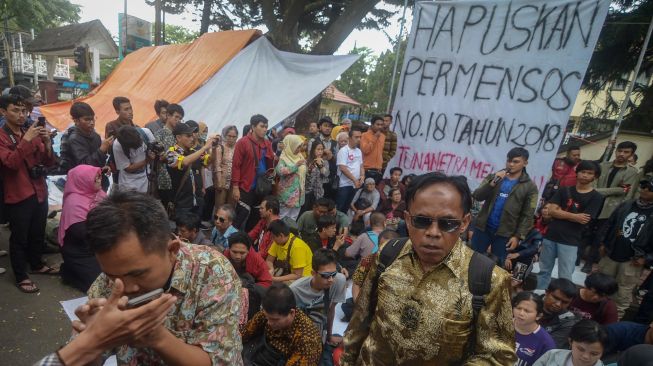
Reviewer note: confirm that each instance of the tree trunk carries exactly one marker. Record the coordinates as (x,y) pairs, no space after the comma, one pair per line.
(343,26)
(206,16)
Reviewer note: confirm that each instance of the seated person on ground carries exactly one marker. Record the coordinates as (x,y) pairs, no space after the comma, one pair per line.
(623,335)
(188,228)
(368,242)
(82,192)
(364,265)
(290,333)
(246,261)
(593,302)
(285,266)
(307,222)
(260,235)
(311,292)
(224,218)
(365,201)
(532,340)
(587,340)
(131,238)
(557,319)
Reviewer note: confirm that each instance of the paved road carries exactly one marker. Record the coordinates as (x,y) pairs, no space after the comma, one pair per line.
(31,325)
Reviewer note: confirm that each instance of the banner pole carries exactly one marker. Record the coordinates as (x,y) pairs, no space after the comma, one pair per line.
(397,48)
(629,90)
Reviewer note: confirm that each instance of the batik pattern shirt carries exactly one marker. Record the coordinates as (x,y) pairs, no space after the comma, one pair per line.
(300,344)
(168,140)
(424,318)
(207,311)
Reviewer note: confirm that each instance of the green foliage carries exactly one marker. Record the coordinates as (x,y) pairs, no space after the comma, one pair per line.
(107,66)
(614,60)
(353,82)
(38,14)
(176,34)
(320,26)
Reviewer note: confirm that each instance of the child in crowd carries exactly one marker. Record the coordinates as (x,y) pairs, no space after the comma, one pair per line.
(588,340)
(532,340)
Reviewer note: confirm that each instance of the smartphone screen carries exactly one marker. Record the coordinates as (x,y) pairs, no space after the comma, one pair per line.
(41,122)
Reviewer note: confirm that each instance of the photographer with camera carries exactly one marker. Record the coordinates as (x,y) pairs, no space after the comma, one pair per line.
(130,151)
(24,155)
(184,164)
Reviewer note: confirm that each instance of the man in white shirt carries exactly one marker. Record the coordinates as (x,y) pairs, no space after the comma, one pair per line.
(350,170)
(129,151)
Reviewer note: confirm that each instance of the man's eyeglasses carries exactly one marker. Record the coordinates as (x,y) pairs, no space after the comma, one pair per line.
(327,275)
(220,219)
(444,224)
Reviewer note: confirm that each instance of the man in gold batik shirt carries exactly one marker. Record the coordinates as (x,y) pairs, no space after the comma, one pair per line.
(424,311)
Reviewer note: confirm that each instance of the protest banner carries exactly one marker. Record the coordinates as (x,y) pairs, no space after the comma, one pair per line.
(482,77)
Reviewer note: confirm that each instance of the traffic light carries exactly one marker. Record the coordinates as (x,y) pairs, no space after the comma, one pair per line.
(80,54)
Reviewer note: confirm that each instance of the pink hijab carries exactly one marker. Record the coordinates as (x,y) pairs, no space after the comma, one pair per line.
(80,195)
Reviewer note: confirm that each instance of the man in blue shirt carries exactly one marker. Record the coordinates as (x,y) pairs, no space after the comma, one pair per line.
(224,218)
(507,214)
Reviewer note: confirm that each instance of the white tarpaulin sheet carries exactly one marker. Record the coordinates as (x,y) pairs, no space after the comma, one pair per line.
(482,77)
(262,80)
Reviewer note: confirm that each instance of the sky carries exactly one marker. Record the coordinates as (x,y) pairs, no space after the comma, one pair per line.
(107,12)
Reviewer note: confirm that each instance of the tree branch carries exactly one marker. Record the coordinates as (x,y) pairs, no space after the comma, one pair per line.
(343,26)
(270,19)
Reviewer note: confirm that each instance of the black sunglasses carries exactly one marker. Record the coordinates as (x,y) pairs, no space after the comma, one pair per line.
(219,218)
(327,275)
(444,224)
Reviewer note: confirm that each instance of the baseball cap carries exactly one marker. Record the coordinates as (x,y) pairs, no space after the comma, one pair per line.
(194,125)
(182,129)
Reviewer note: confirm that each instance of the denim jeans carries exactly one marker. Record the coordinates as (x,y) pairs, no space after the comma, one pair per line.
(566,255)
(483,239)
(344,197)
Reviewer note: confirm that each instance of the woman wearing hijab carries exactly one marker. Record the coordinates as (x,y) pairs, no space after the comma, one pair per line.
(291,171)
(82,192)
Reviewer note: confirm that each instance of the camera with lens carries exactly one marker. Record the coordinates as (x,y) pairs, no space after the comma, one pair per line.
(156,148)
(38,171)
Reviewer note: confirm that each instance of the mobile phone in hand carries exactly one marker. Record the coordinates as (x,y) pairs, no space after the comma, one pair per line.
(41,122)
(144,299)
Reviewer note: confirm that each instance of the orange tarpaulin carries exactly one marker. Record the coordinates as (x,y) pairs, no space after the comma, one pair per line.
(171,72)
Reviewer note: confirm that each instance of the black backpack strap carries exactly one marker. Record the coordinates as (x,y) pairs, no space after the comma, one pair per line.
(479,278)
(387,255)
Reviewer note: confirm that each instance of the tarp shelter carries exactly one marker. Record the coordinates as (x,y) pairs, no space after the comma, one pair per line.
(169,72)
(261,79)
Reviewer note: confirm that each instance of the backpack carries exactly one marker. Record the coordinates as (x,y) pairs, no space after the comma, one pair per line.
(479,280)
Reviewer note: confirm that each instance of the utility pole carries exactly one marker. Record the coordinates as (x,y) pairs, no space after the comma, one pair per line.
(397,49)
(629,90)
(157,23)
(10,66)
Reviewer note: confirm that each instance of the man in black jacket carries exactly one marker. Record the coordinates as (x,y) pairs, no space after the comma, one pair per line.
(626,243)
(557,319)
(84,145)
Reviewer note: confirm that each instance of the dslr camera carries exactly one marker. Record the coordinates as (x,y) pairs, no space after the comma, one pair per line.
(156,148)
(38,171)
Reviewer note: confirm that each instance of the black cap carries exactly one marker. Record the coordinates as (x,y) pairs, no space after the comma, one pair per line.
(194,125)
(182,129)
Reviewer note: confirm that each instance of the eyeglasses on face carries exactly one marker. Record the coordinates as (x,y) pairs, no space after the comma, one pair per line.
(445,224)
(327,275)
(220,219)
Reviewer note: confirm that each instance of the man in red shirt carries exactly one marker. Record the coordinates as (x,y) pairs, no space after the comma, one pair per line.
(260,234)
(253,155)
(24,155)
(248,262)
(563,172)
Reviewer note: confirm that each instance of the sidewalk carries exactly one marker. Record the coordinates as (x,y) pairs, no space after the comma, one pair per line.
(31,325)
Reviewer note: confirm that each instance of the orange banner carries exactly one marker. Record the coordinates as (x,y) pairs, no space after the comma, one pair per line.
(171,72)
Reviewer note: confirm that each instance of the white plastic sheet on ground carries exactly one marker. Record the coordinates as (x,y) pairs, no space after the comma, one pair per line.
(262,80)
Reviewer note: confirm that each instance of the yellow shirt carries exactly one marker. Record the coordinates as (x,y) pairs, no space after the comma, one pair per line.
(300,254)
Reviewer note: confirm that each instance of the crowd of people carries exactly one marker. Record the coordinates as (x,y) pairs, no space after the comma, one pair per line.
(200,249)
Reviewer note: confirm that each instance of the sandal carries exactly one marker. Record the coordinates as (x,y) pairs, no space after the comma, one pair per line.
(27,286)
(46,270)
